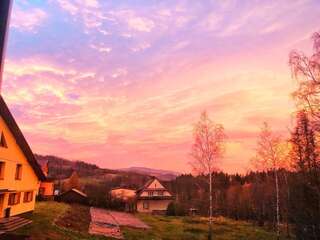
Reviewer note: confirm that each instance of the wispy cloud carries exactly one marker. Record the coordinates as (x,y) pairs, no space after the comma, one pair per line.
(27,20)
(141,24)
(88,12)
(113,82)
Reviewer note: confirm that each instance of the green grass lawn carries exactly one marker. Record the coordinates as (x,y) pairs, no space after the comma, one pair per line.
(187,228)
(60,221)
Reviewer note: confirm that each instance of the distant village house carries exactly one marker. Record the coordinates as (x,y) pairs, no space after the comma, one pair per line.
(47,186)
(70,190)
(153,197)
(74,196)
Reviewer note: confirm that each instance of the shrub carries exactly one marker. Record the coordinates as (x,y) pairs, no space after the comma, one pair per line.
(176,209)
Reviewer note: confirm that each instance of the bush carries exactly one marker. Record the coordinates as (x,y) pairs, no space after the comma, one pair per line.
(171,211)
(116,204)
(176,209)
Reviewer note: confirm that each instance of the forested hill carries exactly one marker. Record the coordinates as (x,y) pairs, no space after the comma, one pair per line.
(60,167)
(164,175)
(63,168)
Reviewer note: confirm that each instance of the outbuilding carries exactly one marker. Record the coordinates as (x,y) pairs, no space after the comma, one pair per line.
(73,196)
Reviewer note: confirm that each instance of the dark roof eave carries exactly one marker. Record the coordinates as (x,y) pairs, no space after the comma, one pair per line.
(21,141)
(156,198)
(146,185)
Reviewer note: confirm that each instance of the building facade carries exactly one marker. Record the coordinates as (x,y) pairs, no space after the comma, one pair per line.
(46,188)
(153,197)
(20,173)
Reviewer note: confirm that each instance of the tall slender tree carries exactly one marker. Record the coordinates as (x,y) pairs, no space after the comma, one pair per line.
(270,156)
(208,148)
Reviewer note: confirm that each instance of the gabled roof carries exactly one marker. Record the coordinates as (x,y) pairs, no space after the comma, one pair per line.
(76,191)
(148,183)
(21,141)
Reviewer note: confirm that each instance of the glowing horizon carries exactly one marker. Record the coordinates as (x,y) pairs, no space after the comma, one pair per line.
(119,84)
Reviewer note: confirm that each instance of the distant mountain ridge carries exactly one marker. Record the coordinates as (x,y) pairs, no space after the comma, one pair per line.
(63,168)
(165,175)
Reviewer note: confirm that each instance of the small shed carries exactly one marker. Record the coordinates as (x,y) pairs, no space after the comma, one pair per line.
(193,211)
(73,196)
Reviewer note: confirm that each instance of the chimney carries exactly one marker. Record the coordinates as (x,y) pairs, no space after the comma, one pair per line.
(5,8)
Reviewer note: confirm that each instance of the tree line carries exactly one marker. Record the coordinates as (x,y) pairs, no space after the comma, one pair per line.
(283,189)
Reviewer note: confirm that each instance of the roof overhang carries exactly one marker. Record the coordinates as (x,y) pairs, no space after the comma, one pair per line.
(156,198)
(21,141)
(6,191)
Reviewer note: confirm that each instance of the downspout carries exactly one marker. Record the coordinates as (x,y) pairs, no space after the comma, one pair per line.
(5,10)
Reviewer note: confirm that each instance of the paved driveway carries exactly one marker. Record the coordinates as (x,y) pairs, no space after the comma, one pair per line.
(129,220)
(107,223)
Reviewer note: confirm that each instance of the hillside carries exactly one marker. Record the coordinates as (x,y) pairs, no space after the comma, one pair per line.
(97,182)
(63,168)
(164,175)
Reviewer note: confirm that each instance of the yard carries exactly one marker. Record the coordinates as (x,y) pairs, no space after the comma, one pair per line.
(52,220)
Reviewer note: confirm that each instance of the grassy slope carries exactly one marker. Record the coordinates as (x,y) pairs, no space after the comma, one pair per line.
(44,227)
(186,228)
(163,228)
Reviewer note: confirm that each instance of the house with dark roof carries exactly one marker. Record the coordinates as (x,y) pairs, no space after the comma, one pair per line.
(20,173)
(153,197)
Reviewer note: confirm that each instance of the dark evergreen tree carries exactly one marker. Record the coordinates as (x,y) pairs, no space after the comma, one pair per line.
(305,194)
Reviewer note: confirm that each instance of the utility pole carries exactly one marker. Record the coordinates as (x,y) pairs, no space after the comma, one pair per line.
(5,10)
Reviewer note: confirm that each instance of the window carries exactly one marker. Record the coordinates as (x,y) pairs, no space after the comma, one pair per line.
(2,164)
(18,172)
(150,193)
(145,205)
(3,142)
(160,193)
(14,198)
(28,196)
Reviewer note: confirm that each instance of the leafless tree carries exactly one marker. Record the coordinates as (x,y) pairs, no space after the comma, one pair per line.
(271,155)
(208,148)
(306,70)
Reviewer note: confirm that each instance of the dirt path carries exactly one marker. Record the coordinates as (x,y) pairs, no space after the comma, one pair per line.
(102,223)
(129,220)
(107,223)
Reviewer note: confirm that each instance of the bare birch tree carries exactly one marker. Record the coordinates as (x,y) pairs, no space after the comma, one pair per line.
(208,148)
(271,156)
(306,70)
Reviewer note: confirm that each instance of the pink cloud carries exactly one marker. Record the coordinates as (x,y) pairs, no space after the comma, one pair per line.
(27,20)
(125,83)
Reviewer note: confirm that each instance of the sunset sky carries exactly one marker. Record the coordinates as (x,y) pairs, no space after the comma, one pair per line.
(121,83)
